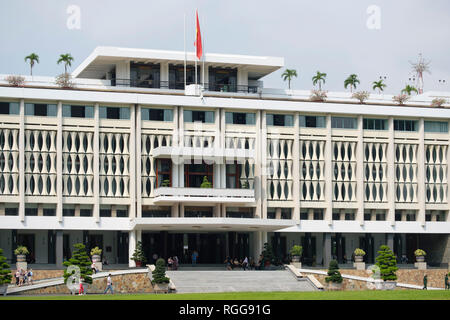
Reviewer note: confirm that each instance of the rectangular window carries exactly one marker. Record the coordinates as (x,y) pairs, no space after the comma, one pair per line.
(68,212)
(105,212)
(343,123)
(31,211)
(239,118)
(42,110)
(121,213)
(70,111)
(198,116)
(157,114)
(375,124)
(85,213)
(405,125)
(436,126)
(49,212)
(318,215)
(281,120)
(312,122)
(122,113)
(11,211)
(164,173)
(9,108)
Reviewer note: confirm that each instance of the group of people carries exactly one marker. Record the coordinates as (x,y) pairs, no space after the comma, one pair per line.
(244,264)
(23,277)
(172,263)
(446,282)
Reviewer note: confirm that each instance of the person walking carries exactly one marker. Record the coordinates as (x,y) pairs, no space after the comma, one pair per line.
(81,289)
(17,275)
(175,263)
(194,257)
(425,282)
(30,276)
(245,263)
(94,267)
(109,285)
(447,285)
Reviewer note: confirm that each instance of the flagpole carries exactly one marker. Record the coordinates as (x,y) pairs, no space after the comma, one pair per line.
(203,55)
(196,45)
(184,25)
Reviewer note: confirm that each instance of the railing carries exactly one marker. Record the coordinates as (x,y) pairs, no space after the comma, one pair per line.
(237,194)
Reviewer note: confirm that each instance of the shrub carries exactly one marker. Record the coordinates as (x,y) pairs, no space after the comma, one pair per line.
(138,254)
(16,81)
(96,251)
(159,274)
(401,99)
(65,81)
(387,262)
(245,185)
(318,95)
(206,183)
(438,102)
(81,259)
(359,252)
(420,253)
(296,250)
(268,255)
(5,272)
(361,96)
(333,273)
(165,183)
(21,250)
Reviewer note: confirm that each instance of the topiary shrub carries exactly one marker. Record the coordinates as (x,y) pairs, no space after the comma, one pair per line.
(138,255)
(420,253)
(359,252)
(81,259)
(296,250)
(387,263)
(206,183)
(96,251)
(5,271)
(21,250)
(159,274)
(268,257)
(333,273)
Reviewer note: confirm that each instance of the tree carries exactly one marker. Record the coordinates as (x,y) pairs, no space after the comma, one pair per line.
(138,254)
(387,263)
(67,59)
(5,271)
(333,273)
(268,257)
(81,259)
(288,74)
(378,85)
(408,89)
(352,80)
(159,275)
(34,58)
(319,78)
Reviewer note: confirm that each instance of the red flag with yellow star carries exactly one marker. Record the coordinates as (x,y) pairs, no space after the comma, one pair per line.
(198,39)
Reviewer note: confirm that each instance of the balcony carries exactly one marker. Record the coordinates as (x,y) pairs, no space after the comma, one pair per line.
(217,155)
(167,195)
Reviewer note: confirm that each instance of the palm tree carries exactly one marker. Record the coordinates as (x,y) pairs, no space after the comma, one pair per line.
(34,58)
(319,78)
(408,89)
(352,80)
(67,59)
(378,85)
(288,74)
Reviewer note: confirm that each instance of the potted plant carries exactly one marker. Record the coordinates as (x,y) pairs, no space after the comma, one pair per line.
(334,279)
(165,183)
(296,252)
(268,257)
(21,252)
(361,96)
(359,255)
(16,81)
(96,257)
(387,265)
(138,255)
(318,95)
(420,255)
(160,282)
(438,102)
(206,183)
(5,274)
(245,185)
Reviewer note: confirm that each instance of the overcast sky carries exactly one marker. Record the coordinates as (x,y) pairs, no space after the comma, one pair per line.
(326,35)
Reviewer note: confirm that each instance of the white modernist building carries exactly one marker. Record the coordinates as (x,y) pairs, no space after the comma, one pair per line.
(125,153)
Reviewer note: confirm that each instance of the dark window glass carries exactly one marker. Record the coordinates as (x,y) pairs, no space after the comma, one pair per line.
(112,113)
(40,110)
(69,212)
(122,213)
(4,107)
(198,116)
(77,111)
(239,118)
(11,211)
(278,120)
(31,211)
(85,213)
(49,212)
(156,114)
(156,214)
(105,213)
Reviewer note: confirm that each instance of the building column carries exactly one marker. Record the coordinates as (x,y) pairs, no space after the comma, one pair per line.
(59,248)
(258,175)
(278,213)
(22,161)
(360,170)
(391,172)
(131,247)
(296,168)
(328,174)
(164,74)
(263,159)
(390,240)
(174,210)
(59,165)
(138,151)
(421,174)
(326,249)
(96,206)
(310,214)
(133,160)
(180,129)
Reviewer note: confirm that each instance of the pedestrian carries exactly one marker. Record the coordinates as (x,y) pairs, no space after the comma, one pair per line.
(21,274)
(245,263)
(30,276)
(170,263)
(447,285)
(81,289)
(109,285)
(425,282)
(194,257)
(94,267)
(17,276)
(175,263)
(228,263)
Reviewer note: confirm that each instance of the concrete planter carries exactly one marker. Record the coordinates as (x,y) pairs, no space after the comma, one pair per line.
(161,287)
(359,258)
(334,286)
(385,285)
(3,289)
(96,259)
(21,258)
(295,258)
(21,262)
(420,258)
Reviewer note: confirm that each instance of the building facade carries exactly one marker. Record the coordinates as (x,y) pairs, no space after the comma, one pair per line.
(127,155)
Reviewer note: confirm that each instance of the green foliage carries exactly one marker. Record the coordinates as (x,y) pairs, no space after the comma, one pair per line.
(245,185)
(333,273)
(206,183)
(5,271)
(33,58)
(81,259)
(21,250)
(359,252)
(159,274)
(319,78)
(267,254)
(67,59)
(165,183)
(296,250)
(420,253)
(387,262)
(408,89)
(138,254)
(96,251)
(351,81)
(378,85)
(288,74)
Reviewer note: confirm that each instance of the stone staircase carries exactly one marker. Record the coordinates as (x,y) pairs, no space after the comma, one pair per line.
(233,281)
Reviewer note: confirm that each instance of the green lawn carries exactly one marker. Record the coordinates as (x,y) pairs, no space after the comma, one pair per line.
(326,295)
